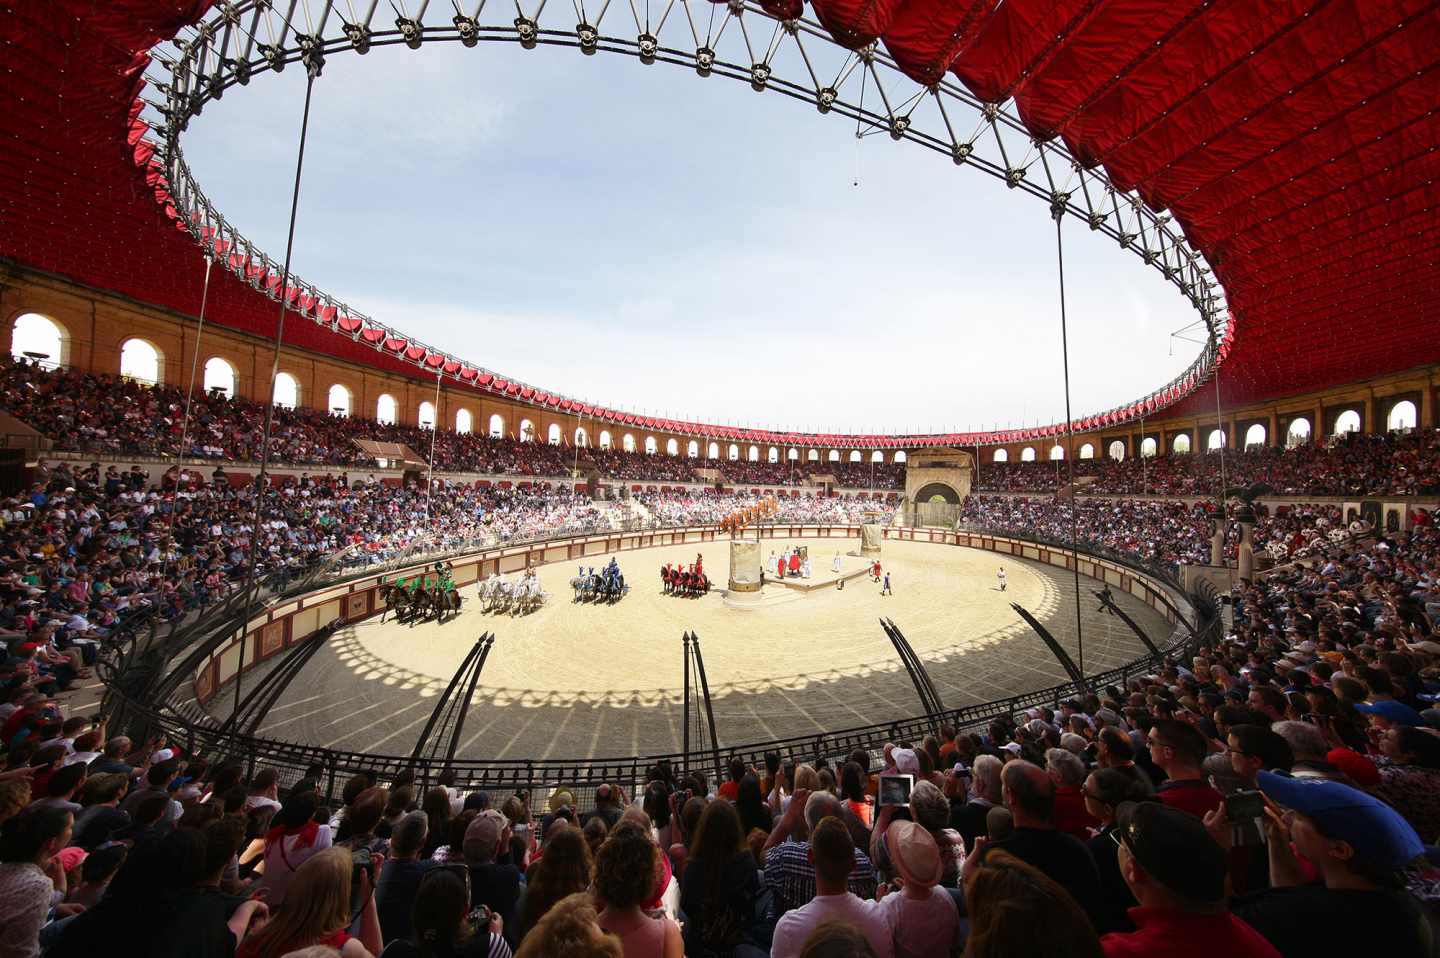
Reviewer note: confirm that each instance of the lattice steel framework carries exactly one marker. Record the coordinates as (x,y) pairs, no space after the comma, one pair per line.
(736,40)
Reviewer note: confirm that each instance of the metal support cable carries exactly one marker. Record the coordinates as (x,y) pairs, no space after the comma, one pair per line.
(1058,213)
(185,420)
(262,475)
(434,432)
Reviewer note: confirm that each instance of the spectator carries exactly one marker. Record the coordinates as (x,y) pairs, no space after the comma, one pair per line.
(439,924)
(836,939)
(720,888)
(833,856)
(923,919)
(157,782)
(96,873)
(624,882)
(750,804)
(1068,774)
(492,884)
(789,865)
(608,806)
(1030,796)
(563,870)
(1016,910)
(570,929)
(317,911)
(1178,748)
(1105,790)
(32,880)
(984,793)
(1360,847)
(852,791)
(101,817)
(1253,748)
(1410,778)
(400,876)
(294,838)
(1177,873)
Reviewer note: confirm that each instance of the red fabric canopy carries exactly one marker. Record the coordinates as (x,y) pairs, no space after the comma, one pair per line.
(1292,140)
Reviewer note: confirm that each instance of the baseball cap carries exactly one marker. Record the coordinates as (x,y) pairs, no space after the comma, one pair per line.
(905,761)
(1397,712)
(1378,833)
(1360,769)
(1175,848)
(914,853)
(483,833)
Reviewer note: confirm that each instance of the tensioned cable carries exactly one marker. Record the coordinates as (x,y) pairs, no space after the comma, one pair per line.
(261,476)
(1058,212)
(185,420)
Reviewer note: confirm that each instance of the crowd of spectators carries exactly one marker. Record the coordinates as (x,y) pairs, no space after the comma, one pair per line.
(1276,793)
(687,507)
(1349,465)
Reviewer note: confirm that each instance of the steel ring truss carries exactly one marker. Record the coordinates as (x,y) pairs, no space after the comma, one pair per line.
(737,40)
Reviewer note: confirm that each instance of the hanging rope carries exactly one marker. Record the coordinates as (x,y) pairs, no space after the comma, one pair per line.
(1058,213)
(261,476)
(185,420)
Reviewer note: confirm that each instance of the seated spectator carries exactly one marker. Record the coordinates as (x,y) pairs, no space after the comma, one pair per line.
(1068,773)
(1254,748)
(570,929)
(789,866)
(562,871)
(32,880)
(1030,796)
(1014,909)
(1178,748)
(362,820)
(100,818)
(1105,790)
(984,793)
(1177,873)
(750,804)
(720,888)
(1360,847)
(928,807)
(836,939)
(14,795)
(293,838)
(317,912)
(96,873)
(113,758)
(400,876)
(61,787)
(1410,778)
(492,884)
(440,922)
(833,856)
(624,882)
(157,783)
(923,918)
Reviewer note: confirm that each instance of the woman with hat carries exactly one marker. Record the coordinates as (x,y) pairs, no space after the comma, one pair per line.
(924,919)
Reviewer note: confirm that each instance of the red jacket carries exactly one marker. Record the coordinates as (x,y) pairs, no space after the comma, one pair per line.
(1070,814)
(1179,934)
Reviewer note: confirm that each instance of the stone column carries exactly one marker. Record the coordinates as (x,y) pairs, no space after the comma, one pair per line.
(1247,550)
(744,565)
(1217,544)
(870,537)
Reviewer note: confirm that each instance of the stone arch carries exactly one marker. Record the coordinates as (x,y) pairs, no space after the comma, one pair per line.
(1027,454)
(582,438)
(1117,450)
(142,361)
(287,391)
(900,456)
(339,401)
(834,455)
(1001,455)
(1087,451)
(772,455)
(651,446)
(497,426)
(1149,448)
(552,435)
(1180,445)
(527,431)
(386,409)
(712,451)
(605,440)
(1255,435)
(877,456)
(219,375)
(627,442)
(42,335)
(672,447)
(753,454)
(813,455)
(938,490)
(1402,415)
(464,421)
(692,449)
(425,415)
(855,455)
(733,453)
(1347,421)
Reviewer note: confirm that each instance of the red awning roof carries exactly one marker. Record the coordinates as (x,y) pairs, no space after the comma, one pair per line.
(1293,141)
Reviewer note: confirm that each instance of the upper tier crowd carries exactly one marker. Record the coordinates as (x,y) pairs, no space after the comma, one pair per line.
(1274,794)
(121,418)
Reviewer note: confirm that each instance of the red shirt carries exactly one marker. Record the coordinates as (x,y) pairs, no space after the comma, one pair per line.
(1179,934)
(729,790)
(1190,795)
(1070,814)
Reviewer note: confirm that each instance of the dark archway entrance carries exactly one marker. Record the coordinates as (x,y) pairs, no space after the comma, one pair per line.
(937,492)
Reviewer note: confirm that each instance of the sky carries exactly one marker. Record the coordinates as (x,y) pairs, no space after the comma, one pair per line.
(650,240)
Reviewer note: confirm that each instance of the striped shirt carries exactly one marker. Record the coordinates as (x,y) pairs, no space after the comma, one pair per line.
(791,877)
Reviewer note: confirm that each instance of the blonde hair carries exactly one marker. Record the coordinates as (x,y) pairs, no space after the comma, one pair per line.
(317,904)
(14,795)
(806,777)
(570,929)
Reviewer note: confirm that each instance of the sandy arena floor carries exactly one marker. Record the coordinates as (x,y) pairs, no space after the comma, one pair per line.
(577,680)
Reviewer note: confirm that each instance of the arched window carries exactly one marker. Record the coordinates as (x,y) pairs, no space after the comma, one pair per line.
(1117,450)
(651,446)
(552,435)
(692,449)
(1347,421)
(39,338)
(712,451)
(464,422)
(140,361)
(813,455)
(1000,456)
(219,376)
(527,431)
(773,455)
(628,443)
(605,440)
(287,391)
(1216,440)
(753,453)
(1149,447)
(425,418)
(855,455)
(1255,435)
(793,455)
(899,456)
(337,401)
(733,453)
(1057,452)
(497,426)
(877,456)
(1087,451)
(834,455)
(386,409)
(1027,454)
(1181,444)
(672,448)
(582,438)
(1402,415)
(1299,432)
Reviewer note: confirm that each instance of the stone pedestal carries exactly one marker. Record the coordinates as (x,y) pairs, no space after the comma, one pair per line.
(744,566)
(1217,545)
(870,537)
(1247,550)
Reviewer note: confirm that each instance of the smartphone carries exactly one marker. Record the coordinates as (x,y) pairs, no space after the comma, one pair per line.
(895,789)
(1245,810)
